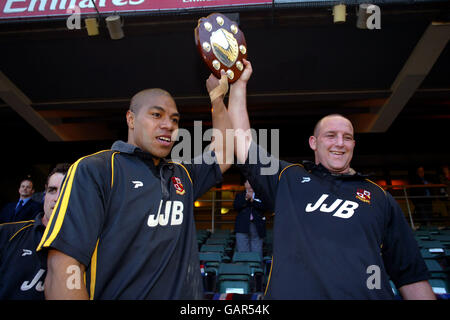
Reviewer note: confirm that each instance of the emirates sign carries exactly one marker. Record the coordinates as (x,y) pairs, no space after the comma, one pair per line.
(13,9)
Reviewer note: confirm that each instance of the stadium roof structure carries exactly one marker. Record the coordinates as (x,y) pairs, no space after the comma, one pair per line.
(63,89)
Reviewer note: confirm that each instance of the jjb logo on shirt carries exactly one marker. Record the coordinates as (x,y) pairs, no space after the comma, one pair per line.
(172,214)
(342,209)
(38,285)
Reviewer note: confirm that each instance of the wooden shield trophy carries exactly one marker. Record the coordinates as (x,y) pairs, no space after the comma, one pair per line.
(221,45)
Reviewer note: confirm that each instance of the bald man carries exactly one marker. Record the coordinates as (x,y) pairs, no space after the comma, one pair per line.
(123,227)
(337,235)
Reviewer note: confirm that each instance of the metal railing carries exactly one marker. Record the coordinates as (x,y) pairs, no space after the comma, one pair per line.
(437,203)
(435,207)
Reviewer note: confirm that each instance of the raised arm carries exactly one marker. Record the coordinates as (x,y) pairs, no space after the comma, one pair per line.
(237,111)
(220,121)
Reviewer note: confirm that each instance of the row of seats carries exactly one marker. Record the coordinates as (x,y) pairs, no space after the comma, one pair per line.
(434,245)
(225,270)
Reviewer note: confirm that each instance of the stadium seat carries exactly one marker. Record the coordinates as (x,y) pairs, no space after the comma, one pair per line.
(433,266)
(422,233)
(221,238)
(212,248)
(230,271)
(224,251)
(439,286)
(202,235)
(234,278)
(430,244)
(241,287)
(444,239)
(210,262)
(220,241)
(238,271)
(422,237)
(432,253)
(252,258)
(210,258)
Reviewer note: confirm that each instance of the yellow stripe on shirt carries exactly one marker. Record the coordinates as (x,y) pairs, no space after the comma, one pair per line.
(27,226)
(112,168)
(270,275)
(64,199)
(93,271)
(50,221)
(187,172)
(384,191)
(291,165)
(15,222)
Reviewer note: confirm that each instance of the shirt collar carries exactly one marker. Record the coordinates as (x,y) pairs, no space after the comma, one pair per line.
(124,147)
(319,168)
(24,201)
(38,220)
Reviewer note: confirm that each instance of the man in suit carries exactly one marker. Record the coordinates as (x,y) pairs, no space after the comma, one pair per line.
(250,225)
(22,270)
(23,209)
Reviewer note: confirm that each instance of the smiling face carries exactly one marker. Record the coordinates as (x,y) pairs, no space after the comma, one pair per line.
(153,123)
(333,143)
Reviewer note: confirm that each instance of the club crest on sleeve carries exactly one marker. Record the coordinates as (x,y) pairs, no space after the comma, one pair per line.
(363,195)
(178,186)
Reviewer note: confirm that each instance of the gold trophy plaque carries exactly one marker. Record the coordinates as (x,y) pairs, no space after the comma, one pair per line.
(222,45)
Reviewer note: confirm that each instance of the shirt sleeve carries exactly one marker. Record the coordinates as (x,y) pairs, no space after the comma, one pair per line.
(401,253)
(262,171)
(76,221)
(205,173)
(6,232)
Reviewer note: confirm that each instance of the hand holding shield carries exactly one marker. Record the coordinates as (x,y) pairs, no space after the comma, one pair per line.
(222,45)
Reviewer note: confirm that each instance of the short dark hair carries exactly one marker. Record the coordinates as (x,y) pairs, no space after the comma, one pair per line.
(27,178)
(59,168)
(316,127)
(136,103)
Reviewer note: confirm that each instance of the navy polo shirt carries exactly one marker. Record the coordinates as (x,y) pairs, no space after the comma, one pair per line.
(132,224)
(22,270)
(335,236)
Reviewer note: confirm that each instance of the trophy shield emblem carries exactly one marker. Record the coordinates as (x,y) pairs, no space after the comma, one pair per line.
(221,45)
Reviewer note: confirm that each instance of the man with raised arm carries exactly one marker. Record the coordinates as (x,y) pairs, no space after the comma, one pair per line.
(337,235)
(125,219)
